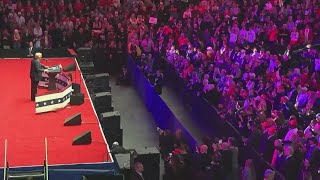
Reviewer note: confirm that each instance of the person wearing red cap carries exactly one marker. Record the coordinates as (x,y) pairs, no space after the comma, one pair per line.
(292,130)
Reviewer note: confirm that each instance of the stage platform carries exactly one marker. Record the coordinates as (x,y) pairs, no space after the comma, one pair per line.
(25,131)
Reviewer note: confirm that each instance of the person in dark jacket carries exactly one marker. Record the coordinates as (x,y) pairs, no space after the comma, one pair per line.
(137,172)
(123,79)
(36,70)
(157,81)
(166,142)
(226,159)
(268,144)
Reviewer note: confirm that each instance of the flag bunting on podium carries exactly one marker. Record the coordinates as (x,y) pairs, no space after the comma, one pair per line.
(53,101)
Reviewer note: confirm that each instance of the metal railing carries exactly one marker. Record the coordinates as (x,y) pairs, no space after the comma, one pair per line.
(25,174)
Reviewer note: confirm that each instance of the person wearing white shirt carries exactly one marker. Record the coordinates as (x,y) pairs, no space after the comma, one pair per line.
(286,54)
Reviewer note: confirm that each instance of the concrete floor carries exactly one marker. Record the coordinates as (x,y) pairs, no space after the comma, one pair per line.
(181,112)
(139,127)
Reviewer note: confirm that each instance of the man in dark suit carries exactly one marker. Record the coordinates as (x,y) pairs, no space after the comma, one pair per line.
(137,172)
(157,81)
(166,142)
(290,166)
(36,70)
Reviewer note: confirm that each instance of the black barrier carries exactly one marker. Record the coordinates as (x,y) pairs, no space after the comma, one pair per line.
(162,114)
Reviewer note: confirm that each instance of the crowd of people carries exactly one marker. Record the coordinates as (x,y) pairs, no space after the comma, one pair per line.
(211,160)
(256,61)
(44,24)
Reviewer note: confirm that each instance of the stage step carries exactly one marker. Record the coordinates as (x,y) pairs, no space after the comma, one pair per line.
(17,175)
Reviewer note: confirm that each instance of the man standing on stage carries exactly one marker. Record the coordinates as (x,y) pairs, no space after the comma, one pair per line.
(36,70)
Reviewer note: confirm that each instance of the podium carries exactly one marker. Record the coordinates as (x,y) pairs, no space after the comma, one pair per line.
(59,91)
(52,73)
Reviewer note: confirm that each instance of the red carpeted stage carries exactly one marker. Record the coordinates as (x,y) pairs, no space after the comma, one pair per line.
(25,131)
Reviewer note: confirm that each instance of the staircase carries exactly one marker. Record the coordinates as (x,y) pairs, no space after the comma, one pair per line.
(27,175)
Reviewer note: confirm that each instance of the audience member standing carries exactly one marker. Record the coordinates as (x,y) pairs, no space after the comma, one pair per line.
(290,166)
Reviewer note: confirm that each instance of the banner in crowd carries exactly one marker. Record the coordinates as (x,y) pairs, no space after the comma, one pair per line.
(153,20)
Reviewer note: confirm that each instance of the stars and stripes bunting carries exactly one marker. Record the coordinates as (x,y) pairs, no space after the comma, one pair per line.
(53,101)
